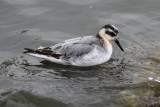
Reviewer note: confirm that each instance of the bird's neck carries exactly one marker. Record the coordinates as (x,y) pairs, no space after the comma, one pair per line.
(103,38)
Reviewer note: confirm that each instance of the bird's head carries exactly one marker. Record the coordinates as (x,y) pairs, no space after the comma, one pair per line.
(110,32)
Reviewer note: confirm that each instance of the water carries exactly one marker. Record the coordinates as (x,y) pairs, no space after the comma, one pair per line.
(129,79)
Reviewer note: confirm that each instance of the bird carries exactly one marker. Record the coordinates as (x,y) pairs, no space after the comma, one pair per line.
(81,51)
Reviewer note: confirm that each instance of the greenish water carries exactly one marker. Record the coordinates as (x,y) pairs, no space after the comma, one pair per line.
(129,79)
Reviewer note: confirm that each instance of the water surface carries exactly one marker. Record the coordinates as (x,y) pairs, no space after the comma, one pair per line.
(129,79)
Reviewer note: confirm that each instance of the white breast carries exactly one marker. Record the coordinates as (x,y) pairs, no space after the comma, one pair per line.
(95,57)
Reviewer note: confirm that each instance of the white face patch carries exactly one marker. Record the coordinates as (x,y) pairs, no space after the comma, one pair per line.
(102,32)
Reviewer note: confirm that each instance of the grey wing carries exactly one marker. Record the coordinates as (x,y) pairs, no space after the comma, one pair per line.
(77,51)
(74,48)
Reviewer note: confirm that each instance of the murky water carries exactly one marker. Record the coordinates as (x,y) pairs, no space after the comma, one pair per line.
(129,79)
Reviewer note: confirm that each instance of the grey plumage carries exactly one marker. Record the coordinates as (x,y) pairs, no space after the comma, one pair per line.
(74,48)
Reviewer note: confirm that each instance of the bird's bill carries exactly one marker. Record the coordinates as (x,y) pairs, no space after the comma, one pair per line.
(117,42)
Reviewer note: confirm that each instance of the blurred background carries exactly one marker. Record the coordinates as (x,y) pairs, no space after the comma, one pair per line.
(129,79)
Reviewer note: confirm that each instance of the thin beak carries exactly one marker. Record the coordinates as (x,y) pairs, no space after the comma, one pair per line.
(117,42)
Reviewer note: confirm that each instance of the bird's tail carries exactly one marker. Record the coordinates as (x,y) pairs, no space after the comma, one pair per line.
(42,52)
(28,50)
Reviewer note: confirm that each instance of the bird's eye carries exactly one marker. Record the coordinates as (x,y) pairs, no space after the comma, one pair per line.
(113,34)
(110,33)
(107,32)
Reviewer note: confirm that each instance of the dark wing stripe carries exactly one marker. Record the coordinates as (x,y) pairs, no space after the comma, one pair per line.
(45,51)
(48,51)
(28,50)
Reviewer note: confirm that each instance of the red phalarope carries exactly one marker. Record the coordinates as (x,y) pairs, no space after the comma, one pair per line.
(81,51)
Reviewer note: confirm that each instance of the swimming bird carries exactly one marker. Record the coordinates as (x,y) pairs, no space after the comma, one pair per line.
(81,51)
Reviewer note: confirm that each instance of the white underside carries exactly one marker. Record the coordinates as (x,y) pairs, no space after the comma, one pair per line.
(93,58)
(52,59)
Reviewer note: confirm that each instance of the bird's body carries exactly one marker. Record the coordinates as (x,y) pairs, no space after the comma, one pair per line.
(81,51)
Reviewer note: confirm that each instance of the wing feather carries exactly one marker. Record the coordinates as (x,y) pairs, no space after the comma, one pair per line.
(74,48)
